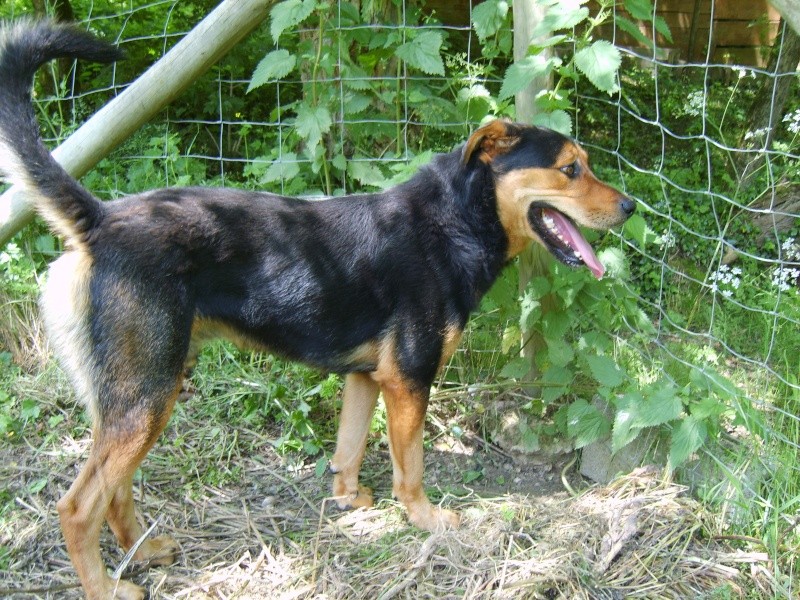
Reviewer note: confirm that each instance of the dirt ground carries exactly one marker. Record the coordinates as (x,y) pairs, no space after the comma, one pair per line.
(268,531)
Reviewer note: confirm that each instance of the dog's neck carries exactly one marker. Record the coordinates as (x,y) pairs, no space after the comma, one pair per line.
(474,244)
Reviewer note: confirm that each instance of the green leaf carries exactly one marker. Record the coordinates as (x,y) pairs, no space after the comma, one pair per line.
(538,45)
(275,65)
(30,409)
(555,324)
(558,120)
(686,439)
(470,476)
(600,63)
(38,485)
(528,437)
(537,287)
(355,103)
(605,370)
(633,30)
(512,338)
(476,100)
(708,379)
(516,368)
(637,228)
(366,174)
(559,352)
(555,383)
(283,169)
(519,75)
(312,122)
(662,28)
(6,424)
(586,423)
(614,261)
(640,9)
(423,53)
(625,429)
(488,17)
(708,408)
(289,14)
(659,405)
(321,468)
(562,15)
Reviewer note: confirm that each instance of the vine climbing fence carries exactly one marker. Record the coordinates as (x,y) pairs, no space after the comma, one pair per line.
(701,314)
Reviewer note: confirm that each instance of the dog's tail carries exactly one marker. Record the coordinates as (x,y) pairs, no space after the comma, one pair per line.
(24,160)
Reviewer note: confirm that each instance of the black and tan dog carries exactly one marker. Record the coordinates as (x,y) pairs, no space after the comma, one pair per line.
(377,286)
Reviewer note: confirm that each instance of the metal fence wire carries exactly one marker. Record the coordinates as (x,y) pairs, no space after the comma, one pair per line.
(708,149)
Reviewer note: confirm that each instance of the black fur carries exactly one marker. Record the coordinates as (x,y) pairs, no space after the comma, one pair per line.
(378,286)
(25,47)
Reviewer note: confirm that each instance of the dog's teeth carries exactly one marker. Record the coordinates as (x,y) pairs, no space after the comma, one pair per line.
(578,255)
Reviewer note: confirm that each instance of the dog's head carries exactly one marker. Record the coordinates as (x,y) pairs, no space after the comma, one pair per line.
(544,187)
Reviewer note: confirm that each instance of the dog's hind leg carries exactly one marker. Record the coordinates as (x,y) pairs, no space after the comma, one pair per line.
(121,517)
(103,490)
(125,350)
(360,395)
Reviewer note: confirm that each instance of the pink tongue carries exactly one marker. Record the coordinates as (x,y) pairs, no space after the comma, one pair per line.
(576,241)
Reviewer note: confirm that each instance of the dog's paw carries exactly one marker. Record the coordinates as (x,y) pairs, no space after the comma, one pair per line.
(352,500)
(159,551)
(433,518)
(119,589)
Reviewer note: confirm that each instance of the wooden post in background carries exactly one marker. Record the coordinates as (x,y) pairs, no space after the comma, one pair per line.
(535,260)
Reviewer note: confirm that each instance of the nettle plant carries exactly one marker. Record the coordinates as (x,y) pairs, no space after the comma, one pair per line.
(595,383)
(565,47)
(351,85)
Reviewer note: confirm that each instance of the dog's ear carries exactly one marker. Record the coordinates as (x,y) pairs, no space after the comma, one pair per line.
(491,140)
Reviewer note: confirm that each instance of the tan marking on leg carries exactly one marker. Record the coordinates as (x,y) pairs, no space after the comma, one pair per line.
(405,410)
(102,490)
(360,396)
(121,517)
(452,338)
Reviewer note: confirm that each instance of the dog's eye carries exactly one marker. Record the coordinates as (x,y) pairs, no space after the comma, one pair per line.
(569,170)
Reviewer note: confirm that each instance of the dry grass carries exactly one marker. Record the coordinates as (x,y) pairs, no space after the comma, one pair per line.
(260,532)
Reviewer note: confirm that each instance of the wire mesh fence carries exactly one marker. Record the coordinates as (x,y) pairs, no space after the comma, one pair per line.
(361,95)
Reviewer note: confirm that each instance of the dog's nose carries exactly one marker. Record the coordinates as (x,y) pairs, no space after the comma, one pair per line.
(627,206)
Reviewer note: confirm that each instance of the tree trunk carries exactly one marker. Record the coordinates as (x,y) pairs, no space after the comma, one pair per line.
(766,111)
(535,260)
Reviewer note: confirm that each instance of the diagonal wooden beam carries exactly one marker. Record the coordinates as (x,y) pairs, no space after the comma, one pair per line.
(202,47)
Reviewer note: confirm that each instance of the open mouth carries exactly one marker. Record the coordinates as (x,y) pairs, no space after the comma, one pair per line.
(562,238)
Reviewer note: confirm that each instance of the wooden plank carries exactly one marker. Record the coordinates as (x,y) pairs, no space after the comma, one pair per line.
(745,11)
(726,33)
(723,9)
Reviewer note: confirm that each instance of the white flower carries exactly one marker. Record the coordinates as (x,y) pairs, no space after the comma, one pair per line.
(790,249)
(694,103)
(784,278)
(757,134)
(726,279)
(793,121)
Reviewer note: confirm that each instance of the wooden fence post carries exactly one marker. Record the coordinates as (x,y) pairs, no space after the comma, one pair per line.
(533,261)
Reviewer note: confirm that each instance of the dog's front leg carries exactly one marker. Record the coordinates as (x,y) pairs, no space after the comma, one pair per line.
(360,395)
(405,410)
